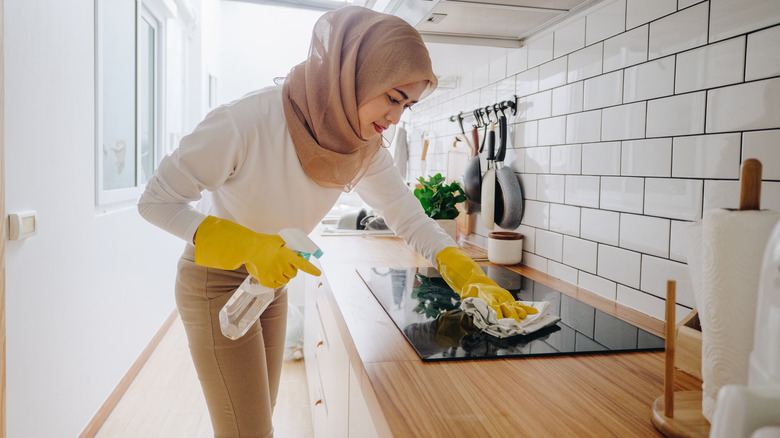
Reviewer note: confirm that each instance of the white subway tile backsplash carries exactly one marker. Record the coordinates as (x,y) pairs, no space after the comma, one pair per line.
(650,157)
(622,194)
(763,58)
(567,99)
(582,190)
(680,31)
(648,235)
(649,80)
(598,285)
(539,105)
(754,105)
(549,245)
(516,60)
(565,273)
(656,272)
(580,253)
(673,198)
(550,188)
(497,69)
(707,156)
(721,194)
(711,66)
(585,63)
(642,302)
(583,127)
(528,184)
(676,115)
(639,12)
(534,261)
(537,214)
(601,158)
(678,242)
(552,74)
(600,225)
(540,50)
(606,21)
(682,4)
(770,195)
(604,90)
(552,131)
(619,265)
(527,82)
(537,160)
(624,121)
(525,134)
(505,90)
(734,17)
(482,75)
(529,237)
(569,38)
(566,159)
(565,219)
(764,146)
(626,49)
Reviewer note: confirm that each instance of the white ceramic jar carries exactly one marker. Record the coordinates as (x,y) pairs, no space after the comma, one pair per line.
(505,247)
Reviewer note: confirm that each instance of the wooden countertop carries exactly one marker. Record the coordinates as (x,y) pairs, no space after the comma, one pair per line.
(590,395)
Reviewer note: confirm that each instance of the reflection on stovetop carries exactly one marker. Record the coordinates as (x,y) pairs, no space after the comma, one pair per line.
(427,312)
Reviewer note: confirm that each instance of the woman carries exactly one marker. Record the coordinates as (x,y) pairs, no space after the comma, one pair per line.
(279,158)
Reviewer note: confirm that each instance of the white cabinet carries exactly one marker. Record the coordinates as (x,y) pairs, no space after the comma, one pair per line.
(338,407)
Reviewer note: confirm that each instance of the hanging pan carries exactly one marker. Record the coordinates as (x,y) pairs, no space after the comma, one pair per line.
(472,175)
(508,210)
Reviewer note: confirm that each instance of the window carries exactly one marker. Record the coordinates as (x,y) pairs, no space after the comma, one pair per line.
(129,98)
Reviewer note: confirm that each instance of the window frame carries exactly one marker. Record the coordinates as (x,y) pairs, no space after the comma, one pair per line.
(154,12)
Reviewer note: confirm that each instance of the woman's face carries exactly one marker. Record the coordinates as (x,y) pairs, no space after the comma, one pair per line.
(384,110)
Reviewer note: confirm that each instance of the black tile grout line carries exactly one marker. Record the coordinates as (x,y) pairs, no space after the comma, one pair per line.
(648,61)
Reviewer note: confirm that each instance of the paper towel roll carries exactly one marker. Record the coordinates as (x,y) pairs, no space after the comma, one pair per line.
(724,258)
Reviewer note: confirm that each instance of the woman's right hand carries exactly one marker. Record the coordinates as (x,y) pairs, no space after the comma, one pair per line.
(223,244)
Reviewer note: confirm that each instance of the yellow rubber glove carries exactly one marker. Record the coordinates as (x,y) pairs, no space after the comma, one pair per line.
(222,244)
(467,279)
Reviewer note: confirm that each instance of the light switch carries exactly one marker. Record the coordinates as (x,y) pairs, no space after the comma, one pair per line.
(22,225)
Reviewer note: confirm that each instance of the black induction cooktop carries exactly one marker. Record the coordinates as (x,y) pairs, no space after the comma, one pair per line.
(427,312)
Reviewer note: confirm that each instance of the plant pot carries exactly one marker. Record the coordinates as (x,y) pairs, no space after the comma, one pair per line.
(449,226)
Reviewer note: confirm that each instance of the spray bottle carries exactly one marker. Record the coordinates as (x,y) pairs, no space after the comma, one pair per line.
(252,298)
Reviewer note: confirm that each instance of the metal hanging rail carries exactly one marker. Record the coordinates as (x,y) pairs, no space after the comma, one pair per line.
(482,115)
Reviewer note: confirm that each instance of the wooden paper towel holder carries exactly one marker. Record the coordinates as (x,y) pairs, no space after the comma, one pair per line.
(679,414)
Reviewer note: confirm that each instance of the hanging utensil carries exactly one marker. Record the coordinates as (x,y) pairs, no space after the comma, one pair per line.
(489,182)
(508,211)
(472,176)
(423,164)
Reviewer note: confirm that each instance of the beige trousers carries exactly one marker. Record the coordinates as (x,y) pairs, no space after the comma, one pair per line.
(240,378)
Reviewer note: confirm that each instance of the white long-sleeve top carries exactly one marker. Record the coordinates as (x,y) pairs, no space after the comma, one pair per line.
(242,156)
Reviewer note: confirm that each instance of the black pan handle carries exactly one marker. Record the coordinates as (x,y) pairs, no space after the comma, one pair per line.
(492,142)
(502,129)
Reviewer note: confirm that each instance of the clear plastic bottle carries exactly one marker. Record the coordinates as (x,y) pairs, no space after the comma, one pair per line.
(252,298)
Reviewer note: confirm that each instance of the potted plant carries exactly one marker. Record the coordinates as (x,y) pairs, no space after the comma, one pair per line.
(439,200)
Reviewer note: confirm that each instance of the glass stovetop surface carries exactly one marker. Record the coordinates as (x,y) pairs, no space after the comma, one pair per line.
(427,312)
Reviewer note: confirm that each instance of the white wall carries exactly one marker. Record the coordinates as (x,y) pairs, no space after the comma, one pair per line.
(87,293)
(635,117)
(259,43)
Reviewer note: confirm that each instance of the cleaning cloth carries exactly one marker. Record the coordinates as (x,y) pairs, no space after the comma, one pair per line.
(486,319)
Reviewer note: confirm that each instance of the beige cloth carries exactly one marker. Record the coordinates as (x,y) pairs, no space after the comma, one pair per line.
(240,379)
(356,54)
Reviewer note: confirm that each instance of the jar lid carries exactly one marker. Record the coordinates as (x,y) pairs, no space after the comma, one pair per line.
(505,235)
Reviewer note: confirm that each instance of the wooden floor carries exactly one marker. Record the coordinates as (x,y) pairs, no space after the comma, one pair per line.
(165,399)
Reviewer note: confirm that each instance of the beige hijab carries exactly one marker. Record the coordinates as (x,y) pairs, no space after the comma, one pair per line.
(356,54)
